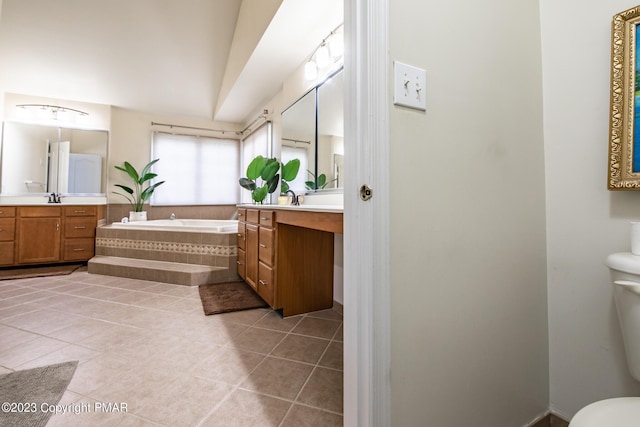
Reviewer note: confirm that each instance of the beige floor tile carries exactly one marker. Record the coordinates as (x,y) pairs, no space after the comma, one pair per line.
(149,345)
(304,416)
(257,340)
(323,390)
(301,348)
(185,402)
(326,314)
(321,328)
(244,408)
(230,366)
(278,378)
(333,357)
(16,355)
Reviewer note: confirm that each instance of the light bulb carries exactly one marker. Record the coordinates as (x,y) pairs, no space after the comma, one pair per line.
(322,56)
(310,70)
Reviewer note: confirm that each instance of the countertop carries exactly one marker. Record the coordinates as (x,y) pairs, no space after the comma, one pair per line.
(303,207)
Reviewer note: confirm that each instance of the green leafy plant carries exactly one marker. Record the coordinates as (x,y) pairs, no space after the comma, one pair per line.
(139,193)
(267,171)
(317,184)
(289,173)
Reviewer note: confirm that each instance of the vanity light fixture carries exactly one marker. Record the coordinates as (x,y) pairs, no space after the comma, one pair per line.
(50,112)
(327,54)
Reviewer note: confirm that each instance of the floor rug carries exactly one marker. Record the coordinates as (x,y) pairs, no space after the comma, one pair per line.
(225,297)
(28,394)
(45,270)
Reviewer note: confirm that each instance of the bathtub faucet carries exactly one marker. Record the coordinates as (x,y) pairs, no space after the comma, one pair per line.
(172,216)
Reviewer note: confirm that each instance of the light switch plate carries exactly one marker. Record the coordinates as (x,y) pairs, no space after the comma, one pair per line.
(409,86)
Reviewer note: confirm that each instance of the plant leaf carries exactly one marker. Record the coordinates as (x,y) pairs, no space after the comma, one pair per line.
(147,168)
(125,188)
(259,193)
(255,168)
(146,194)
(284,187)
(290,170)
(270,170)
(311,185)
(272,184)
(322,180)
(131,171)
(247,184)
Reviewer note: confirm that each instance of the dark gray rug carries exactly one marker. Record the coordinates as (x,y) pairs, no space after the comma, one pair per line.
(25,393)
(225,297)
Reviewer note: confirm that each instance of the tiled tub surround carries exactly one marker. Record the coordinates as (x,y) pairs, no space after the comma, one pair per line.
(117,211)
(180,257)
(149,345)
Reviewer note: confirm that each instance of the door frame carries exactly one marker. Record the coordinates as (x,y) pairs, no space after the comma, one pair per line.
(367,310)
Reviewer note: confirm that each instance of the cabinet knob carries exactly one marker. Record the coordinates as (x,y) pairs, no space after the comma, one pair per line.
(238,262)
(262,245)
(262,282)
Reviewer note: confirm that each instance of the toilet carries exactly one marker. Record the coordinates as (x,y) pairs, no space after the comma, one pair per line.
(621,411)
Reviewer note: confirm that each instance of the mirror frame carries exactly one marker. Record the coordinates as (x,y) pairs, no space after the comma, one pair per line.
(624,141)
(315,89)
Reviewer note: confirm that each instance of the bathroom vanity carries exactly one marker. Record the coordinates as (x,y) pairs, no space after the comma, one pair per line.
(285,253)
(45,234)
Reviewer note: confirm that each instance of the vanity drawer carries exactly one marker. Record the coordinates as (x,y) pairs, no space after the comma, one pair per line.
(80,211)
(253,216)
(7,229)
(265,283)
(242,214)
(7,211)
(78,249)
(6,253)
(39,211)
(79,227)
(266,218)
(265,247)
(242,235)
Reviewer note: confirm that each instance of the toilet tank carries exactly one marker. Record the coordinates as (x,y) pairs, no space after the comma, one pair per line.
(625,277)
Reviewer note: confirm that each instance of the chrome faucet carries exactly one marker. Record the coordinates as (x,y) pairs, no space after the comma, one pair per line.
(172,216)
(294,200)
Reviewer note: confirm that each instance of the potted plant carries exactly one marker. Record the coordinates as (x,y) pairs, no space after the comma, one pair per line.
(139,193)
(262,178)
(289,173)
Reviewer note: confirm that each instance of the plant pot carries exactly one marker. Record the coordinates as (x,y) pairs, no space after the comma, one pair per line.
(137,216)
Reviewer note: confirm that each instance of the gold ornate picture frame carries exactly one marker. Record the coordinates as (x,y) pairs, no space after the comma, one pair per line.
(624,115)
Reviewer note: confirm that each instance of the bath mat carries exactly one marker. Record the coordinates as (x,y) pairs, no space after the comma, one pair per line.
(34,389)
(40,271)
(226,297)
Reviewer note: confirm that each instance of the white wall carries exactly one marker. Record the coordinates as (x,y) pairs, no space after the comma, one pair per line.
(585,222)
(468,264)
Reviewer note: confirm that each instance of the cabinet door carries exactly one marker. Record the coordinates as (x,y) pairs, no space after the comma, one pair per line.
(39,240)
(251,251)
(242,263)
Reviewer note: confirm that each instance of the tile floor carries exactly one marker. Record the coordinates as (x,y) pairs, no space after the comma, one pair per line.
(148,345)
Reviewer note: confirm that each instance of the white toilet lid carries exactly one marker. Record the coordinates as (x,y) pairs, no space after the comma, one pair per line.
(619,412)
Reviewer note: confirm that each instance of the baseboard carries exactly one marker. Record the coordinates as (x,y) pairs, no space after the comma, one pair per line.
(550,420)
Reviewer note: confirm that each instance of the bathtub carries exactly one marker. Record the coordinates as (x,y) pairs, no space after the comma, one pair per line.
(188,225)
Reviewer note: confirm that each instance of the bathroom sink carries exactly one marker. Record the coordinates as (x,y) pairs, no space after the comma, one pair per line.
(305,207)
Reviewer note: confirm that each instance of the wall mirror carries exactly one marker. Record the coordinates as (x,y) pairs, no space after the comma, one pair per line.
(47,159)
(313,131)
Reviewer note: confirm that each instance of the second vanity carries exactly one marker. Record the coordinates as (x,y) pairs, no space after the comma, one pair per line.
(286,254)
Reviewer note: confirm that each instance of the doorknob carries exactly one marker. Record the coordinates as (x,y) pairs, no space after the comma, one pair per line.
(365,192)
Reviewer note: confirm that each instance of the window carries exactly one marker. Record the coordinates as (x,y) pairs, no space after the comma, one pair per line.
(258,143)
(197,170)
(290,153)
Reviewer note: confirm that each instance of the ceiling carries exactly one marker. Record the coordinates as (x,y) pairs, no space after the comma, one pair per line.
(166,57)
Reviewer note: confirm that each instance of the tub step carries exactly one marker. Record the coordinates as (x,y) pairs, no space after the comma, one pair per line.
(159,271)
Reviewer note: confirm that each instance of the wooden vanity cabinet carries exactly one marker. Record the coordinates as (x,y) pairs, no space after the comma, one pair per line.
(36,234)
(7,235)
(287,257)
